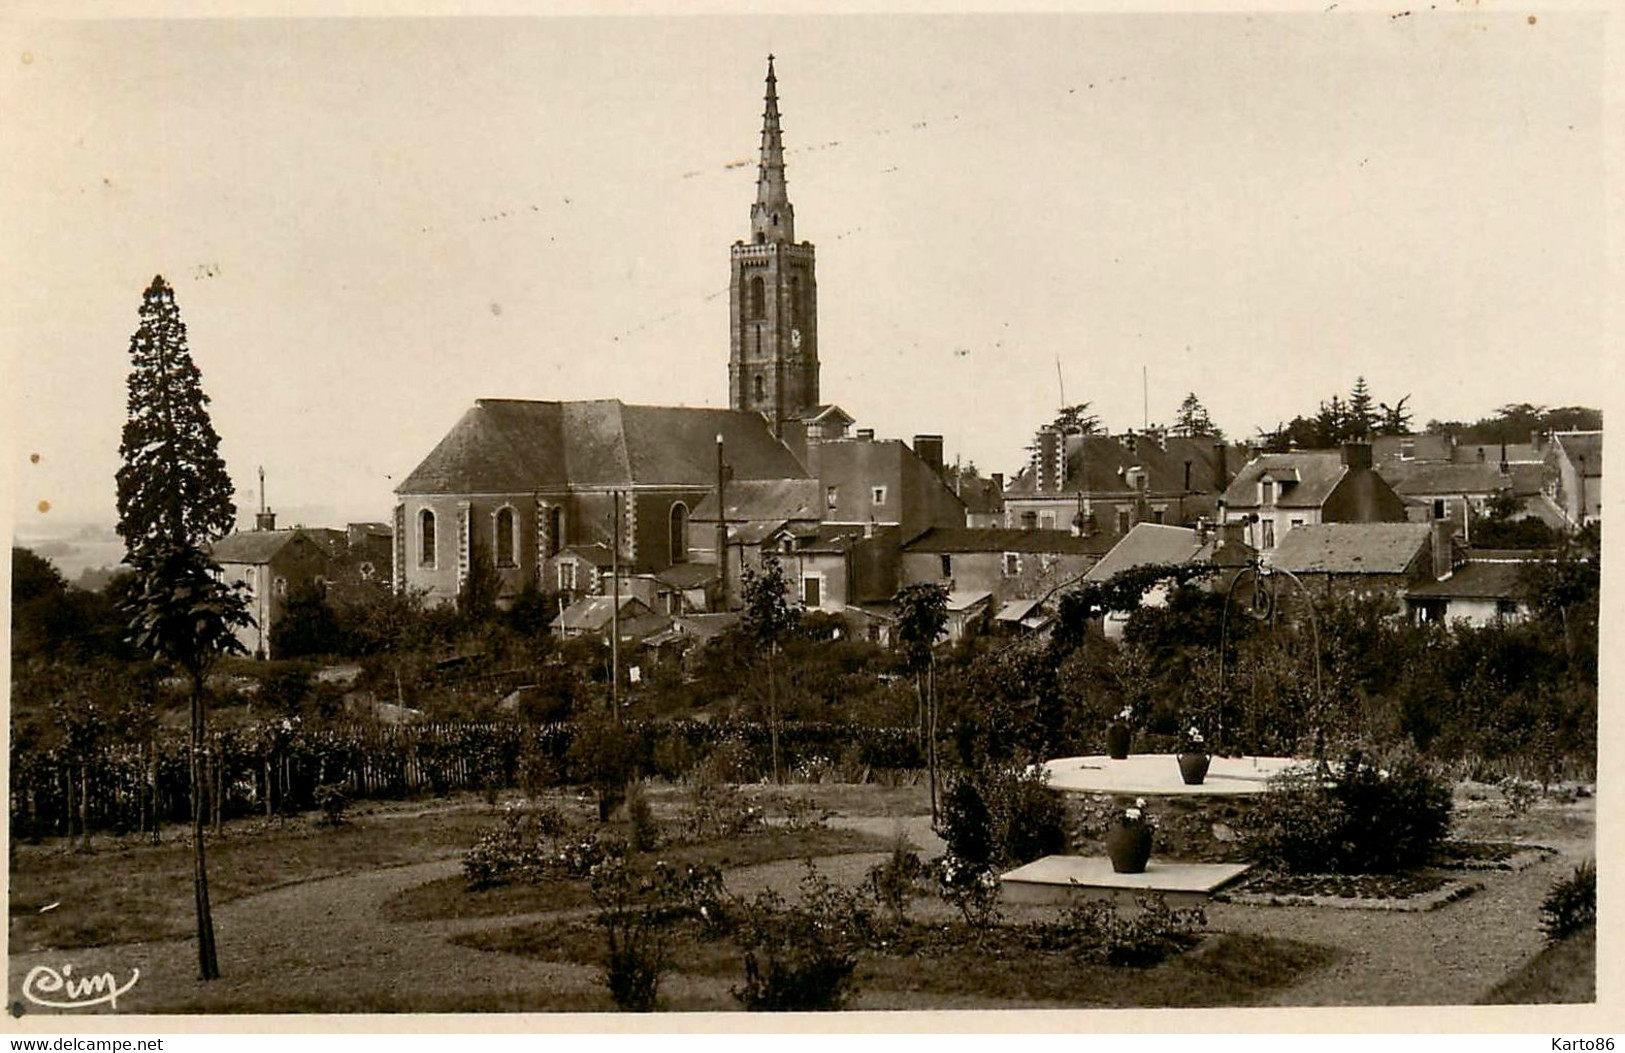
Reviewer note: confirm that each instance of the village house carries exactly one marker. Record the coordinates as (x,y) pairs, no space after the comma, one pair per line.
(1155,545)
(1486,589)
(1365,560)
(1006,564)
(273,564)
(1458,493)
(1574,483)
(1276,493)
(1098,484)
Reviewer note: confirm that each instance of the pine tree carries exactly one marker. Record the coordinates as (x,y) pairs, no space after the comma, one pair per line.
(1192,418)
(1360,417)
(1395,419)
(174,497)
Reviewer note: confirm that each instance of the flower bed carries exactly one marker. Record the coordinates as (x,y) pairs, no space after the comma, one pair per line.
(1410,891)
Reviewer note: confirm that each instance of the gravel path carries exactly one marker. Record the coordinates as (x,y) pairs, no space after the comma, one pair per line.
(323,947)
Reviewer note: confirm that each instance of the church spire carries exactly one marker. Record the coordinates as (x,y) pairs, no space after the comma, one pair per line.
(772,217)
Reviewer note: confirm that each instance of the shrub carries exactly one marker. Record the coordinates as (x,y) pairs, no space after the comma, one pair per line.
(970,888)
(1358,820)
(894,882)
(718,812)
(967,825)
(1096,932)
(801,958)
(1571,905)
(1029,820)
(633,912)
(528,845)
(642,832)
(331,799)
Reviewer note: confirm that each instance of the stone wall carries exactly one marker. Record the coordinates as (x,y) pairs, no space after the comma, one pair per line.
(1189,828)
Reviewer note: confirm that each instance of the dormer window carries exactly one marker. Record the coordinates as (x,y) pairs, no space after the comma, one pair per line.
(1266,491)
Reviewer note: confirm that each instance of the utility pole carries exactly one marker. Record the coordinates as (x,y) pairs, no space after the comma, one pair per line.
(722,525)
(615,611)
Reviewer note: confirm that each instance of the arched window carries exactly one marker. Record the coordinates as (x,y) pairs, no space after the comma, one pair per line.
(760,389)
(507,536)
(426,538)
(756,300)
(679,533)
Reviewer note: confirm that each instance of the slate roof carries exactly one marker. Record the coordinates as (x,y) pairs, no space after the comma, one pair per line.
(1351,548)
(1413,478)
(1317,474)
(1587,444)
(981,496)
(687,575)
(1475,580)
(252,546)
(598,555)
(1516,453)
(761,499)
(508,445)
(594,613)
(1423,447)
(1150,543)
(1099,464)
(1001,539)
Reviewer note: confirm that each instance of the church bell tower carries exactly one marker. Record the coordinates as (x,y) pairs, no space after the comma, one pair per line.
(772,296)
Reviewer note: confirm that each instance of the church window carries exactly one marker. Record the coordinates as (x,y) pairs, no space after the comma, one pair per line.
(756,300)
(555,530)
(426,538)
(679,533)
(507,538)
(759,389)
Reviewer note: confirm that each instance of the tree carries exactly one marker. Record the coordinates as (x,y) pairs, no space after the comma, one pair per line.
(1077,420)
(1360,418)
(308,625)
(922,612)
(768,619)
(1192,418)
(174,497)
(1395,419)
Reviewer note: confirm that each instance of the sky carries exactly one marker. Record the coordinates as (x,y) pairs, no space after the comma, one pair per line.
(370,223)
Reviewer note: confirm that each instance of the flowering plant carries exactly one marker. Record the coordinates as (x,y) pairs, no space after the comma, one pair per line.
(1135,814)
(1126,714)
(1194,742)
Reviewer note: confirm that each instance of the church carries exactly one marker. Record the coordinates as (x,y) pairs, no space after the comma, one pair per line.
(558,494)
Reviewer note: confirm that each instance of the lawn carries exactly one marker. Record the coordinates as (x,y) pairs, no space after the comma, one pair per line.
(1564,973)
(946,965)
(125,890)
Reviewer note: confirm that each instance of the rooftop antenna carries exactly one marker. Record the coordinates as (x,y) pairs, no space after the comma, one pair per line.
(1060,380)
(1145,396)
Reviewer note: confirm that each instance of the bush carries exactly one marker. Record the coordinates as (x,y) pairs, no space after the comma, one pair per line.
(967,825)
(1571,905)
(331,799)
(642,832)
(1096,932)
(896,881)
(633,912)
(969,887)
(801,958)
(1356,820)
(527,845)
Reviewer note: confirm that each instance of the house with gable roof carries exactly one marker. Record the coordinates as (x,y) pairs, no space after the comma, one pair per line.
(1363,560)
(1575,481)
(271,563)
(1276,493)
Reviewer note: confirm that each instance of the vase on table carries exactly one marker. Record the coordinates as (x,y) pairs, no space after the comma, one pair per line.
(1129,846)
(1193,767)
(1118,737)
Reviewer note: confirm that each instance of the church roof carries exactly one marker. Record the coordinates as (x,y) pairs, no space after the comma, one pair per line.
(508,445)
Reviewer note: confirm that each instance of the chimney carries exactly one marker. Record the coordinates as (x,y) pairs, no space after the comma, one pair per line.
(1356,455)
(1221,477)
(998,483)
(866,435)
(928,448)
(1233,533)
(1443,548)
(1050,461)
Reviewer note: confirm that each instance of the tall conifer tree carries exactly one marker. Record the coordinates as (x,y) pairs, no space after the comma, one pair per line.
(174,497)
